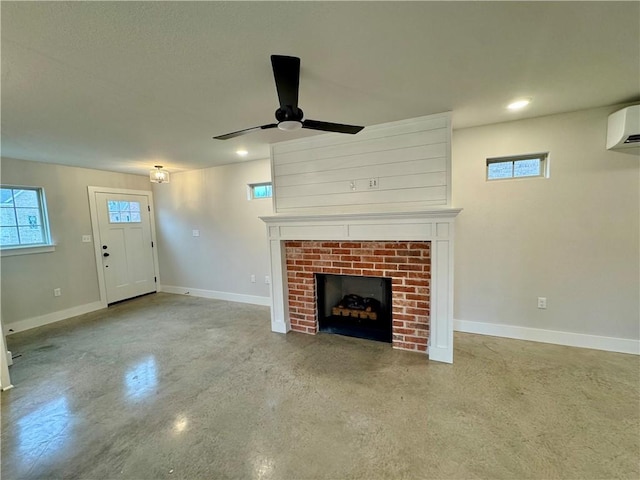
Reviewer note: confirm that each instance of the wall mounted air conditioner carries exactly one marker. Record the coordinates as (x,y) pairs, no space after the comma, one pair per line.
(623,132)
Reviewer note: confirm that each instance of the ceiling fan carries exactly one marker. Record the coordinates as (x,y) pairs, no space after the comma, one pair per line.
(286,72)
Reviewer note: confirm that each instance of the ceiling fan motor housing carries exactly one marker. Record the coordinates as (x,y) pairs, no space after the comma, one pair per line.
(289,114)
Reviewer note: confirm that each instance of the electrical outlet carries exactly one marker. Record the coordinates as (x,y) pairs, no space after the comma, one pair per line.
(353,186)
(86,238)
(373,183)
(542,302)
(57,292)
(195,233)
(267,279)
(253,279)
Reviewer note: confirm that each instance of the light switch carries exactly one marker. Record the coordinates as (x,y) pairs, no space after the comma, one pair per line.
(196,233)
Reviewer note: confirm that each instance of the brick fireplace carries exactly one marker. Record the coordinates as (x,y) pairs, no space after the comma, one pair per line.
(414,249)
(407,264)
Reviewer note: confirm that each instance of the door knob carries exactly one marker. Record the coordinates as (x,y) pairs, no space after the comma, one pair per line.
(105,254)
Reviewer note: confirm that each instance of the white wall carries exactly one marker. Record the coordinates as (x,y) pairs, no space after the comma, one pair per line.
(27,281)
(573,238)
(232,244)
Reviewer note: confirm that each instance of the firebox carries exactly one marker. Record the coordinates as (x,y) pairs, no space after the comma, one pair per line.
(355,306)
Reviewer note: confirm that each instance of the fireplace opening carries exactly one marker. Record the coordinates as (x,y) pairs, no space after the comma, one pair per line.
(354,306)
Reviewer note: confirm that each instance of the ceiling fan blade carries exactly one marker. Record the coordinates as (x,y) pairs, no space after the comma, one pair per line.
(227,136)
(286,73)
(331,127)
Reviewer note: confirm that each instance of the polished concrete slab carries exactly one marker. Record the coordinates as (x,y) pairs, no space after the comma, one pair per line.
(176,387)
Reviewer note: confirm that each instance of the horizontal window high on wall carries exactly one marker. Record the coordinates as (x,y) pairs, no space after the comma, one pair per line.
(518,166)
(260,190)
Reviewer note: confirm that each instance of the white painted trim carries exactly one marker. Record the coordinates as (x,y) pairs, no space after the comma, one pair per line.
(23,250)
(5,378)
(29,323)
(231,297)
(95,228)
(609,344)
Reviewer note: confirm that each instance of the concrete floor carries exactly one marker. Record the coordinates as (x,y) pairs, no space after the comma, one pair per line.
(169,386)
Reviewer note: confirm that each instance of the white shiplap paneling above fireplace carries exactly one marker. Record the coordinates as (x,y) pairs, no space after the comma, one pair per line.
(399,166)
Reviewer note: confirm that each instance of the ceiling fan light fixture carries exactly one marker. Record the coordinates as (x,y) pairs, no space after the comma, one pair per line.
(289,125)
(158,175)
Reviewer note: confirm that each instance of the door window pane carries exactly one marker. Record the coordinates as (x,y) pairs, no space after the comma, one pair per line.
(121,212)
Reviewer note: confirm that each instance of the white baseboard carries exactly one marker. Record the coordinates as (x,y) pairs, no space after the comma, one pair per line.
(610,344)
(29,323)
(231,297)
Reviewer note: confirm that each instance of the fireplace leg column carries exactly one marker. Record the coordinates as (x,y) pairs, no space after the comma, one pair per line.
(441,325)
(280,322)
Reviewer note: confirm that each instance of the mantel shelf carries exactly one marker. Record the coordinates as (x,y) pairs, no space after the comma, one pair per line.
(347,217)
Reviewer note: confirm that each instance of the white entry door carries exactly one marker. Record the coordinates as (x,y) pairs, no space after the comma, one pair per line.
(125,244)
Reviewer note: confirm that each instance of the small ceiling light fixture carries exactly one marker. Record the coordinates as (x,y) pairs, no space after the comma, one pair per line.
(159,175)
(242,153)
(519,104)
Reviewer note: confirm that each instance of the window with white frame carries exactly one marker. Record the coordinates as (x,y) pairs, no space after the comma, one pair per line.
(260,190)
(519,166)
(23,217)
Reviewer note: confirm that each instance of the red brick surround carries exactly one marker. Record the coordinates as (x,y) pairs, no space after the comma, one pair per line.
(408,264)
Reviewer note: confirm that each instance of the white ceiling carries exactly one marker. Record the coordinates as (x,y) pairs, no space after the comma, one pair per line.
(123,86)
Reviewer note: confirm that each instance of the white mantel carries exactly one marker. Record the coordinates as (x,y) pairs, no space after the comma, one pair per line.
(436,226)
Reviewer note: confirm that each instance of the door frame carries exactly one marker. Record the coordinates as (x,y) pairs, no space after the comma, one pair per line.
(95,231)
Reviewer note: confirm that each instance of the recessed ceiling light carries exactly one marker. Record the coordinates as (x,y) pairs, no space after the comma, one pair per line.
(242,153)
(518,104)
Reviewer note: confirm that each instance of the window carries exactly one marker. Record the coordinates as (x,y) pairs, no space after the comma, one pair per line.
(124,212)
(23,217)
(521,166)
(260,190)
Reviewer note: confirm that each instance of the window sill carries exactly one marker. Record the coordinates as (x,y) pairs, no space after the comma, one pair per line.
(10,252)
